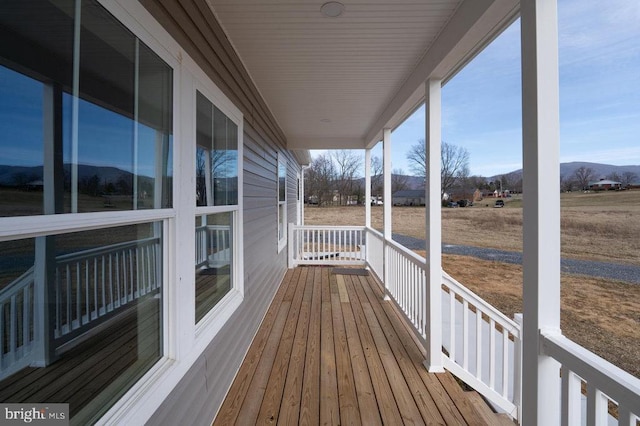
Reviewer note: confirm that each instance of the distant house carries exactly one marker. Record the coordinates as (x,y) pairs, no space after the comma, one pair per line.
(605,185)
(409,197)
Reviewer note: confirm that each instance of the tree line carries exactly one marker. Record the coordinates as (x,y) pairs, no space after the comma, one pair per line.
(335,177)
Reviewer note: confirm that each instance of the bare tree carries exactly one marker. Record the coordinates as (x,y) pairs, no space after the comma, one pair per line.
(614,177)
(417,157)
(399,181)
(567,183)
(320,178)
(628,178)
(454,163)
(377,181)
(347,165)
(583,175)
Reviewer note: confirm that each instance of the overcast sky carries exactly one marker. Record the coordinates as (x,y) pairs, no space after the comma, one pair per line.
(599,94)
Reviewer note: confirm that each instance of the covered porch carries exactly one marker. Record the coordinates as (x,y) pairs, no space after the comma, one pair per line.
(330,350)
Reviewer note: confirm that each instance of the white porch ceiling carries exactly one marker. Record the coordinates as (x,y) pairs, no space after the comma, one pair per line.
(336,82)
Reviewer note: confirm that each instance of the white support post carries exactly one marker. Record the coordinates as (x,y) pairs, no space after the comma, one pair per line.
(433,140)
(386,173)
(367,188)
(541,211)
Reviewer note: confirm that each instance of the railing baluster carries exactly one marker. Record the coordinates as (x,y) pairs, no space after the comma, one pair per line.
(78,297)
(26,317)
(104,285)
(96,287)
(505,362)
(130,295)
(479,321)
(69,295)
(13,338)
(452,324)
(492,353)
(119,295)
(465,334)
(87,293)
(596,406)
(571,396)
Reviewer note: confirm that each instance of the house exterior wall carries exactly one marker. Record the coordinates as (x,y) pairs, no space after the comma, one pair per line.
(200,393)
(198,396)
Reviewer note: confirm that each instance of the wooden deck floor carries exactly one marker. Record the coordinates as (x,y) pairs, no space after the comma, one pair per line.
(330,351)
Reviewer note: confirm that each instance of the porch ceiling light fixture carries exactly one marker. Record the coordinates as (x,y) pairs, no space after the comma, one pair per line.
(325,120)
(332,9)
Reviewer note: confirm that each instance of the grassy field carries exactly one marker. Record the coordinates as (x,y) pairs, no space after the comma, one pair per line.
(602,315)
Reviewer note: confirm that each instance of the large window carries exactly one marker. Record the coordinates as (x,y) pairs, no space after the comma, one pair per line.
(85,112)
(217,205)
(85,126)
(81,316)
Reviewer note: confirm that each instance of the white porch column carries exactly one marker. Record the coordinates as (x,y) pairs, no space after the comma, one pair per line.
(433,141)
(541,212)
(367,187)
(386,173)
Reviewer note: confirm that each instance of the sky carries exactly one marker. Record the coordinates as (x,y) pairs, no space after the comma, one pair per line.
(599,54)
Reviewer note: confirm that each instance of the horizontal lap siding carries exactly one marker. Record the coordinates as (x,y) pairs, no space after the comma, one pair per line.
(200,393)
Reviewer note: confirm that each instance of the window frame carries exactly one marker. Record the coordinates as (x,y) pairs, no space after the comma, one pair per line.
(183,341)
(281,204)
(214,320)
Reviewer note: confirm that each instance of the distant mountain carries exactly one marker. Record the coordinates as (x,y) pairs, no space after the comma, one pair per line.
(19,175)
(568,169)
(412,182)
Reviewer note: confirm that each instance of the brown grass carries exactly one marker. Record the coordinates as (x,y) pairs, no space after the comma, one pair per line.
(599,314)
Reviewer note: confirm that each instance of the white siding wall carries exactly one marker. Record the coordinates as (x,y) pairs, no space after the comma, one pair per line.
(201,392)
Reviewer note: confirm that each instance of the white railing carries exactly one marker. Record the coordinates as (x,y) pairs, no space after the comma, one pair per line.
(89,286)
(335,245)
(93,283)
(606,385)
(375,251)
(407,284)
(17,324)
(213,246)
(483,345)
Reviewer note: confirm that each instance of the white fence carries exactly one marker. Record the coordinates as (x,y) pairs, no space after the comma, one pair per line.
(607,385)
(213,246)
(483,345)
(89,286)
(335,245)
(17,339)
(93,283)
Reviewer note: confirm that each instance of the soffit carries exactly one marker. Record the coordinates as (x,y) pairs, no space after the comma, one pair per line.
(327,80)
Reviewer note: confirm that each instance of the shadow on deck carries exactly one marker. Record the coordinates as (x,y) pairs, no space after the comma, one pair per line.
(331,351)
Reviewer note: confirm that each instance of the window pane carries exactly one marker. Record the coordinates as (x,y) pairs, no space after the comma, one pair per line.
(214,260)
(216,156)
(282,180)
(102,142)
(86,308)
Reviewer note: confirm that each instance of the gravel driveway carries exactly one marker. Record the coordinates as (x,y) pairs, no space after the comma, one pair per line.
(613,271)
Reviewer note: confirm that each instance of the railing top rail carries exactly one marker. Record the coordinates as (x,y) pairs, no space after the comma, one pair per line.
(616,383)
(487,308)
(329,227)
(17,285)
(105,249)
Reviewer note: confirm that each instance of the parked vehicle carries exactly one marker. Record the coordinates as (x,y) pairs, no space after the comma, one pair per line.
(499,203)
(452,204)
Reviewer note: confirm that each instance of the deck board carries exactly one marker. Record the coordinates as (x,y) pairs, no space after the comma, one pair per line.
(331,351)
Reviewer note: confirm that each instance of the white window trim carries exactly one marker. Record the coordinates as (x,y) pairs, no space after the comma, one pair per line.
(282,242)
(184,342)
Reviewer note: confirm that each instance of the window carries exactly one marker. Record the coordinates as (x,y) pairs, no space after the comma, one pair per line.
(282,202)
(217,205)
(85,126)
(82,130)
